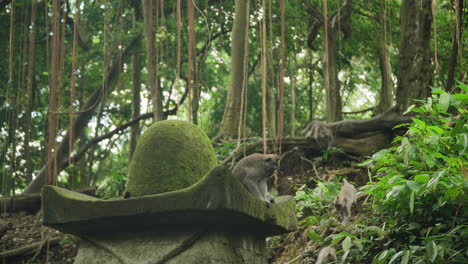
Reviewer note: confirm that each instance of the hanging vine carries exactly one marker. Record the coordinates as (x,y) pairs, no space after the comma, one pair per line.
(31,90)
(281,80)
(191,63)
(263,36)
(73,84)
(55,67)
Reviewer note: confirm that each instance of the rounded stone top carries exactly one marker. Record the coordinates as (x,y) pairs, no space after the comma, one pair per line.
(170,155)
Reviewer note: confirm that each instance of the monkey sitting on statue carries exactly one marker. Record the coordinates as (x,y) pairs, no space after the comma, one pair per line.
(253,171)
(345,199)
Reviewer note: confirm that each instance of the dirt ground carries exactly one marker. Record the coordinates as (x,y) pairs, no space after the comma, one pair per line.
(25,230)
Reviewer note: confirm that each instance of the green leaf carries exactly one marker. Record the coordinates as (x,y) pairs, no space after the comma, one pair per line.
(421,178)
(395,257)
(358,244)
(461,97)
(462,86)
(383,255)
(430,160)
(313,236)
(438,130)
(414,186)
(437,91)
(432,251)
(421,124)
(444,101)
(411,203)
(345,255)
(405,258)
(347,243)
(434,180)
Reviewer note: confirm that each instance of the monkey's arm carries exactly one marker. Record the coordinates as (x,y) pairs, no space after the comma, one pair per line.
(264,189)
(254,189)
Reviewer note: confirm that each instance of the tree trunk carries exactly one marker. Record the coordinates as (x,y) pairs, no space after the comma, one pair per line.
(271,111)
(338,22)
(386,92)
(153,81)
(192,76)
(31,86)
(330,75)
(414,60)
(455,48)
(136,102)
(82,119)
(231,117)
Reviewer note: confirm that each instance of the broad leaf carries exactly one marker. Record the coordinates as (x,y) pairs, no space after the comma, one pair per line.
(444,101)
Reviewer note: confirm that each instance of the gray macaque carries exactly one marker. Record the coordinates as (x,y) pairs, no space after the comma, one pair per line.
(253,171)
(345,199)
(318,131)
(326,255)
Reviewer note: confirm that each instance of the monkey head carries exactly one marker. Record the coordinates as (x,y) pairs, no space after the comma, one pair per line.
(270,163)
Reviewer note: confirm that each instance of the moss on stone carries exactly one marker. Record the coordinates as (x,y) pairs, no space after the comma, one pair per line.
(169,156)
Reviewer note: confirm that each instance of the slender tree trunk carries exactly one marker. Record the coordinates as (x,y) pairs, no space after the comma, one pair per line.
(136,88)
(153,81)
(386,92)
(271,79)
(55,64)
(31,86)
(231,118)
(135,130)
(456,50)
(338,22)
(330,75)
(388,86)
(192,76)
(271,111)
(414,60)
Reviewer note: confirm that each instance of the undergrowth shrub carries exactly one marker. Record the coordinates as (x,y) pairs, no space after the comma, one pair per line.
(419,190)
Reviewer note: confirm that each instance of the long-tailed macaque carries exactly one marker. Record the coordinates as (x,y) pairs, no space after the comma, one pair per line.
(318,131)
(345,199)
(326,255)
(253,171)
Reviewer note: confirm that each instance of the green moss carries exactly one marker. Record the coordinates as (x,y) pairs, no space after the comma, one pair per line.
(169,156)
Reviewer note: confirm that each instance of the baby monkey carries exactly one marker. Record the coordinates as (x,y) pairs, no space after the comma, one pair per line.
(326,255)
(253,171)
(345,199)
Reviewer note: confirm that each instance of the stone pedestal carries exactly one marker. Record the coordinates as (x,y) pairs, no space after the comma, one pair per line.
(184,245)
(215,220)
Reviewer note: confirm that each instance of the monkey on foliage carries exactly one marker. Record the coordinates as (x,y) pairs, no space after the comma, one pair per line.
(345,199)
(326,255)
(253,171)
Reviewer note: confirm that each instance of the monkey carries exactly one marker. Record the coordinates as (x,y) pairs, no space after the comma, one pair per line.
(345,199)
(253,171)
(318,131)
(326,255)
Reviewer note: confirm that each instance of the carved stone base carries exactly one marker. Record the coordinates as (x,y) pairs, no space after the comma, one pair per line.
(174,245)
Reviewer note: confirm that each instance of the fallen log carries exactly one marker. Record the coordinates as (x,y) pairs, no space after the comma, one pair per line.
(31,203)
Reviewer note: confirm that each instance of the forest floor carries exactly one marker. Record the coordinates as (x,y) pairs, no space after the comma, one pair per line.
(29,242)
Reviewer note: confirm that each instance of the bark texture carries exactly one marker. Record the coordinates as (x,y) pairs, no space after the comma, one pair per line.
(337,22)
(414,61)
(231,117)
